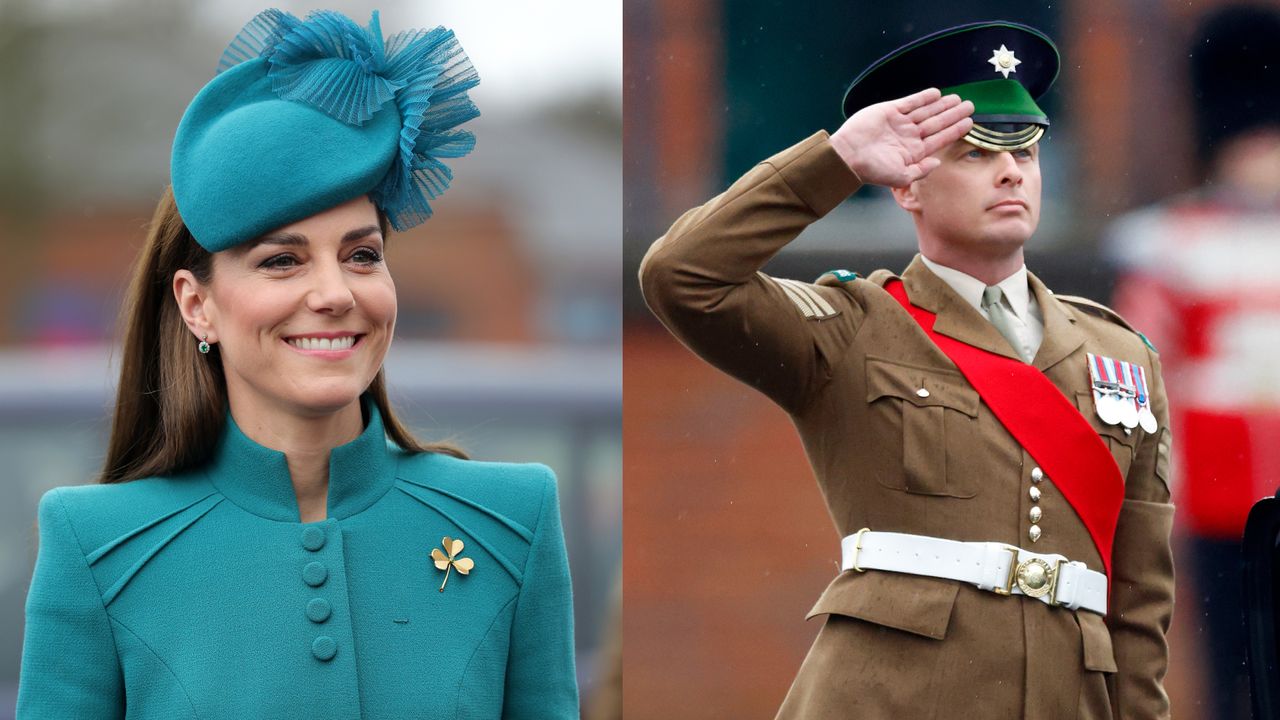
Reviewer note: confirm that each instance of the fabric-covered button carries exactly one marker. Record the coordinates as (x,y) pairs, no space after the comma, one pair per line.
(318,610)
(313,538)
(315,573)
(324,648)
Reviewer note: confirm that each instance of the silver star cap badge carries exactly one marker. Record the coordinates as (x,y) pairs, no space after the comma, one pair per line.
(1004,61)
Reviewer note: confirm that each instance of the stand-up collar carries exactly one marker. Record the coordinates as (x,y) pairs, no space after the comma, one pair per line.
(257,478)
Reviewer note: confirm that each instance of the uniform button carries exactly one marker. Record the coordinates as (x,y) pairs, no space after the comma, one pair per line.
(922,393)
(314,574)
(313,538)
(324,648)
(1037,474)
(1035,494)
(1034,533)
(318,610)
(1035,514)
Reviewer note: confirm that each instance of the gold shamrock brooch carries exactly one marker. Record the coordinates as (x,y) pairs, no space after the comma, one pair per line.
(451,561)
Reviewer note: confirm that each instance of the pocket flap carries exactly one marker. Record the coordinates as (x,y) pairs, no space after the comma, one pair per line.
(1096,636)
(1085,402)
(945,388)
(916,604)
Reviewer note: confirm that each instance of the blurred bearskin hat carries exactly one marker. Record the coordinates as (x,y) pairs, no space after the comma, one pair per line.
(1235,74)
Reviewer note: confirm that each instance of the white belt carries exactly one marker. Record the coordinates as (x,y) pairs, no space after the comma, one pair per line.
(998,567)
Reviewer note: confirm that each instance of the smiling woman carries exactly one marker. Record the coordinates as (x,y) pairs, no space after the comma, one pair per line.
(303,315)
(258,489)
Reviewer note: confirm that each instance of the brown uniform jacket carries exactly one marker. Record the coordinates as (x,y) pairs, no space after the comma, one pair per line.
(845,362)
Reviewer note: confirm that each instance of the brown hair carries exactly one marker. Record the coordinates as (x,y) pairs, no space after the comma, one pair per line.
(171,401)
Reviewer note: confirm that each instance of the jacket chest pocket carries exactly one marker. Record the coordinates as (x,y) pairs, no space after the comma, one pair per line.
(937,412)
(1119,442)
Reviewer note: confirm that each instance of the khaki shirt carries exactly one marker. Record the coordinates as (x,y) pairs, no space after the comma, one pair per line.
(846,361)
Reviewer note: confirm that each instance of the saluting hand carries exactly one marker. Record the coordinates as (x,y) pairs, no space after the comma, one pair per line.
(890,143)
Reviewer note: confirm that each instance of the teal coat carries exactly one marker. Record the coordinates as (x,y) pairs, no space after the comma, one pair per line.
(201,595)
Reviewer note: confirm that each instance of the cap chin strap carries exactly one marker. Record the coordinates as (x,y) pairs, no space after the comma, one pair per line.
(997,141)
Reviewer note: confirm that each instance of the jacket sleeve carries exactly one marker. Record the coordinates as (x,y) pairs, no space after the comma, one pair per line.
(69,662)
(1142,568)
(541,678)
(702,277)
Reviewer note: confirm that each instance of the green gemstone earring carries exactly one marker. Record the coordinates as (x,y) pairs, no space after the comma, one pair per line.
(203,347)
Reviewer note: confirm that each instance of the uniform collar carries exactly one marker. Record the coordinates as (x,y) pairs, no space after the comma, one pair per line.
(957,318)
(1015,287)
(257,478)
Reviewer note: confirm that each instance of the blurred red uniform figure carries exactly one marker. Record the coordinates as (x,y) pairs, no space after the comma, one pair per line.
(1201,273)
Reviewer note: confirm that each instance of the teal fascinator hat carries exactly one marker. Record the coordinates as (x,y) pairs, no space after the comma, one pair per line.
(304,115)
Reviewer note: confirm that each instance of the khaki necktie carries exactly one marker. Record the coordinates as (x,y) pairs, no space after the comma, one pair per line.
(1002,318)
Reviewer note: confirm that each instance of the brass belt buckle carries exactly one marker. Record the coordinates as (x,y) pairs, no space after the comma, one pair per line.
(1037,578)
(1034,577)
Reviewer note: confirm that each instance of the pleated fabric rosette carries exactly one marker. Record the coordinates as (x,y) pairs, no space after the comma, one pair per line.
(304,115)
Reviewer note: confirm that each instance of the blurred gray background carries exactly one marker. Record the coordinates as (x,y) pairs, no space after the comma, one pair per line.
(509,331)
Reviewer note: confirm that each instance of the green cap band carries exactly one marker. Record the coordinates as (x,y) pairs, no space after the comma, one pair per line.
(998,104)
(1000,101)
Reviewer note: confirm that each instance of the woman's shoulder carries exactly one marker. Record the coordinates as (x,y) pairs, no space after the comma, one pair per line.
(515,492)
(100,511)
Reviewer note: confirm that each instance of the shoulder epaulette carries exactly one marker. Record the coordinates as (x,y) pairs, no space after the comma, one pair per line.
(808,301)
(841,275)
(1097,309)
(882,276)
(838,278)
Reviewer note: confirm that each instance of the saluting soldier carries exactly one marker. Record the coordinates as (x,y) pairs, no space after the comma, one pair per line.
(994,455)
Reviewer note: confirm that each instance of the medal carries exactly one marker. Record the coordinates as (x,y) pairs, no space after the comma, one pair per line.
(1146,418)
(1128,395)
(1106,400)
(1128,413)
(1109,407)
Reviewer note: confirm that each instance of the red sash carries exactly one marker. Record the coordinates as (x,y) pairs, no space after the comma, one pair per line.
(1045,422)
